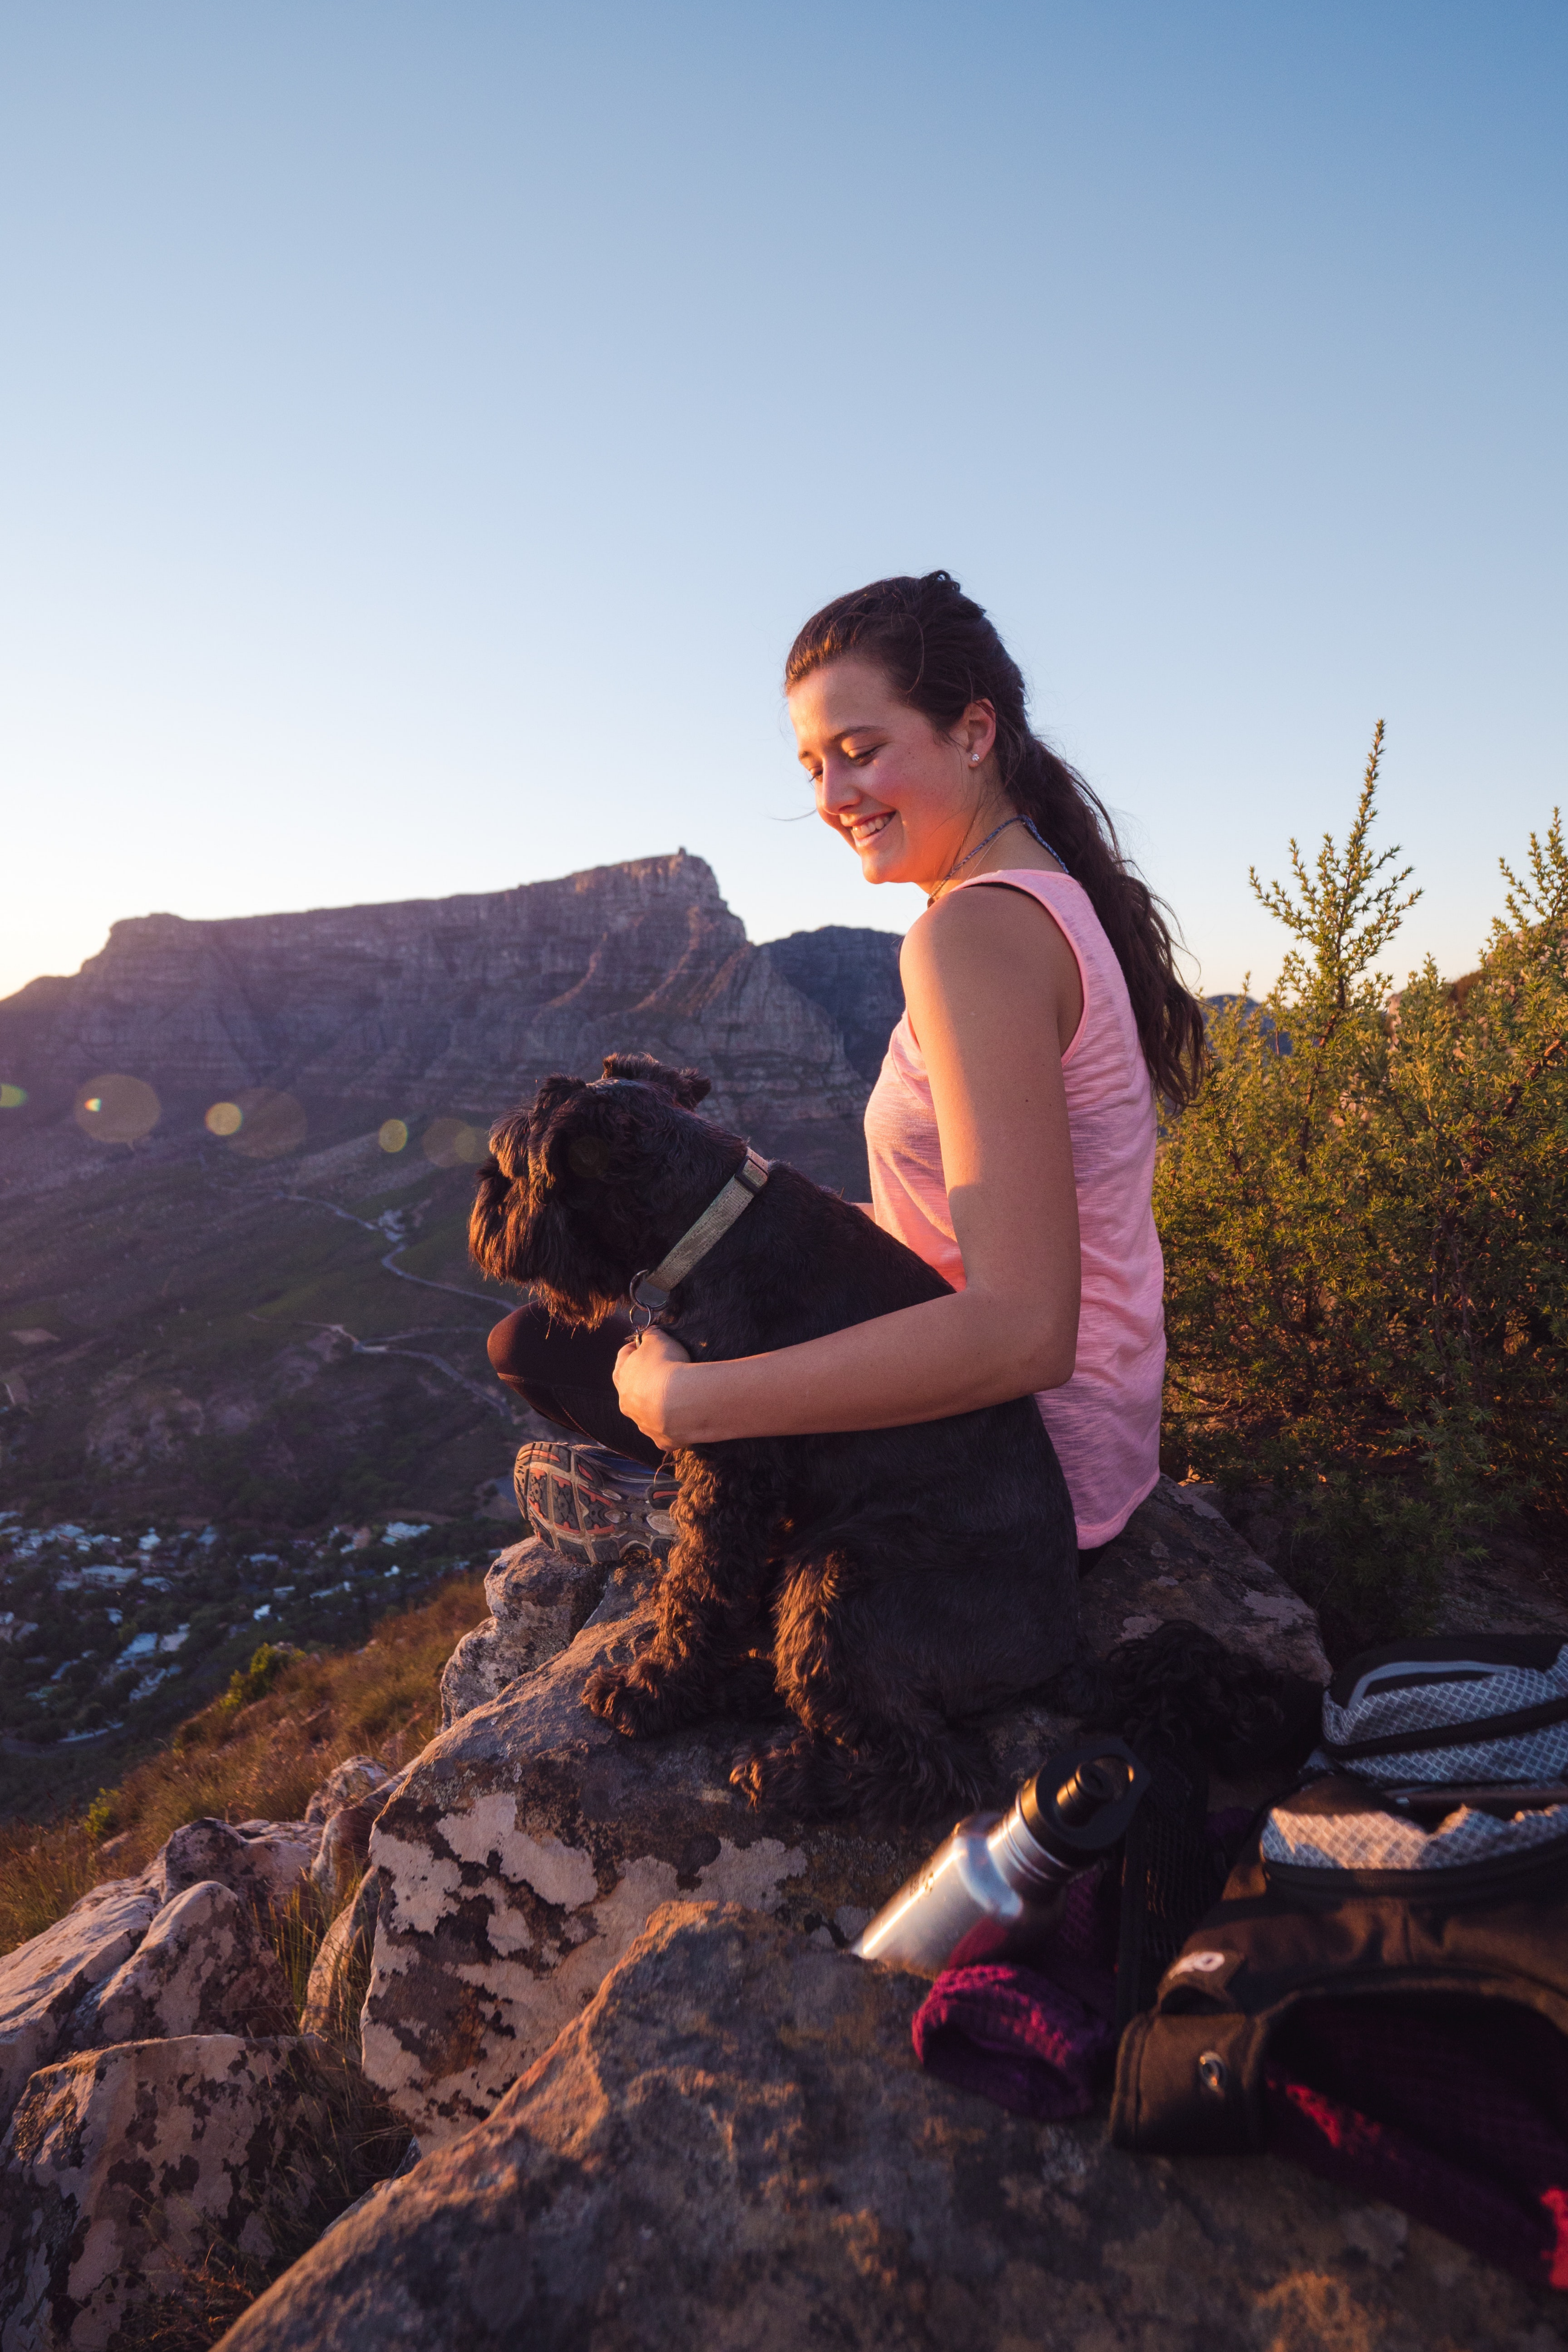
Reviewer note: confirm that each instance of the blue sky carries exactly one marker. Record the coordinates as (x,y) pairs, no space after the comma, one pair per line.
(423,430)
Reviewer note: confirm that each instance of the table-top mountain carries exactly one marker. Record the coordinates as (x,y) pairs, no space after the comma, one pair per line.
(461,1004)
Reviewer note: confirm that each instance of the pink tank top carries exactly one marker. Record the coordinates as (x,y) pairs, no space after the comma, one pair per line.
(1105,1420)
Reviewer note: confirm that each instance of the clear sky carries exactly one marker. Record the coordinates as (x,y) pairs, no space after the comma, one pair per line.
(423,428)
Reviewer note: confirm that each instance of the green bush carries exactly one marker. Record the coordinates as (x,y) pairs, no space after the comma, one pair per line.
(100,1821)
(1365,1221)
(247,1684)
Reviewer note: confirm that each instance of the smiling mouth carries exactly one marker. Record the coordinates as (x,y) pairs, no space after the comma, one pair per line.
(863,829)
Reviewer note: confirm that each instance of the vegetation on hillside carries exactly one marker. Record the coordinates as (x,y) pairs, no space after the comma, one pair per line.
(255,1753)
(1366,1223)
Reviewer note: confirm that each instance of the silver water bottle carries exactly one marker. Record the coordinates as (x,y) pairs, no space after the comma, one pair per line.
(992,1889)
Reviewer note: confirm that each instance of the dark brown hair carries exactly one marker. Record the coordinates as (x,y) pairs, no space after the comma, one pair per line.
(940,652)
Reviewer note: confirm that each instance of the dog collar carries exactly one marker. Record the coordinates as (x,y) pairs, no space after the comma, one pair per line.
(696,1241)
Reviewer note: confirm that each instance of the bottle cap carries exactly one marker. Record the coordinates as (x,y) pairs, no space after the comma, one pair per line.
(1081,1801)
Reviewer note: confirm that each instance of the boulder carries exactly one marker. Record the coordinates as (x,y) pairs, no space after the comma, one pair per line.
(529,1843)
(341,1855)
(340,1971)
(538,1602)
(1179,1557)
(44,1981)
(203,1966)
(733,2145)
(123,2166)
(347,1783)
(264,1863)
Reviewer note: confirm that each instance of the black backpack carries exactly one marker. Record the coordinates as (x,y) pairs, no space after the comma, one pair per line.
(1382,1990)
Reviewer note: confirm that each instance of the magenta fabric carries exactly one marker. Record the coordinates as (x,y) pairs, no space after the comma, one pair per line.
(1014,2037)
(1455,2110)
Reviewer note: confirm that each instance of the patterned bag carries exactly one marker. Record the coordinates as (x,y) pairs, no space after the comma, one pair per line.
(1381,1991)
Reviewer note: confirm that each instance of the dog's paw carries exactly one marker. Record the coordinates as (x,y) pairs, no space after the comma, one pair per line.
(636,1700)
(795,1771)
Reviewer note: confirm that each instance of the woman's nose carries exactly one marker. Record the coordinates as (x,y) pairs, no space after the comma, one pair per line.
(837,788)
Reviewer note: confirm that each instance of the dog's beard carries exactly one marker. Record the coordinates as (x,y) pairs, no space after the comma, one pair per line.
(581,1313)
(546,1251)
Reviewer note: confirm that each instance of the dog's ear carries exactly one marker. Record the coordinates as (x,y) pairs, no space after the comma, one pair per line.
(509,1145)
(588,1155)
(576,1136)
(487,1220)
(686,1088)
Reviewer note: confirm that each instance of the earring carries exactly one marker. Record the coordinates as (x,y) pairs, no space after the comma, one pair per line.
(974,759)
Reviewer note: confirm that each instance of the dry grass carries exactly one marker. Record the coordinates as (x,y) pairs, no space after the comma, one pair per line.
(259,1761)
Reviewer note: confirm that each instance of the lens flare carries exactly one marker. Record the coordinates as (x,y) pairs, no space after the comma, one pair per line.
(224,1119)
(393,1134)
(453,1143)
(12,1097)
(117,1109)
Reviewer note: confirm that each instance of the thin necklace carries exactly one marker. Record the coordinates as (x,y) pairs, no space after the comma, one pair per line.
(958,867)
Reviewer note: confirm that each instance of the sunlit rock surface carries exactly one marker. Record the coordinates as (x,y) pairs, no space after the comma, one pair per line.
(733,2145)
(203,1966)
(44,1980)
(124,2165)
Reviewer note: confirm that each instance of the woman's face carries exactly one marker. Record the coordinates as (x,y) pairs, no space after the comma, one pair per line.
(908,800)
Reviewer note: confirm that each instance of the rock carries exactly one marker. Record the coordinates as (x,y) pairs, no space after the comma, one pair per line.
(203,1966)
(44,1980)
(340,1971)
(733,2145)
(341,1855)
(346,1784)
(538,1602)
(121,2168)
(530,1843)
(1179,1557)
(264,1863)
(853,975)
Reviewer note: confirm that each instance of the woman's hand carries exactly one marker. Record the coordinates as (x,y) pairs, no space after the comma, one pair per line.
(648,1375)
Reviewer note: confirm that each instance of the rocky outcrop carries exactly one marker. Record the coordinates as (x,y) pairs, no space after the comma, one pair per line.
(538,1602)
(462,1005)
(122,2166)
(44,1981)
(347,1783)
(262,1862)
(731,2144)
(1180,1560)
(530,1844)
(45,1984)
(203,1966)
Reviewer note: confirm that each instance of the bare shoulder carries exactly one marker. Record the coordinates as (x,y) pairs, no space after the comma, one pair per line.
(977,933)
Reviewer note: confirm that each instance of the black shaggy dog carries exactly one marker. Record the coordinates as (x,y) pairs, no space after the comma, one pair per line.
(869,1587)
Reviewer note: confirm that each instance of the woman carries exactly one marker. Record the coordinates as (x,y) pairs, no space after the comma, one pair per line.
(1011,1134)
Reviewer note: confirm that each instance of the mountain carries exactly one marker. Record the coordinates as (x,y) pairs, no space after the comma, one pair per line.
(460,1005)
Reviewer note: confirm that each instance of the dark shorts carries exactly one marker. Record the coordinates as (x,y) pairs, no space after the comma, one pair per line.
(568,1377)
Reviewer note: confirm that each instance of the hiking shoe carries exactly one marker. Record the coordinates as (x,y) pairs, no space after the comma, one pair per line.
(584,1503)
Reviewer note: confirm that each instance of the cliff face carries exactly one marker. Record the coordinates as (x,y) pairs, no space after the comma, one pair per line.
(854,976)
(461,1004)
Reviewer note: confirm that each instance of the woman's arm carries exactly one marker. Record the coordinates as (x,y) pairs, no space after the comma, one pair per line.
(993,997)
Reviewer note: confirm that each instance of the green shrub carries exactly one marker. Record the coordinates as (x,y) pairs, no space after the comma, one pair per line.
(247,1684)
(1365,1221)
(100,1821)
